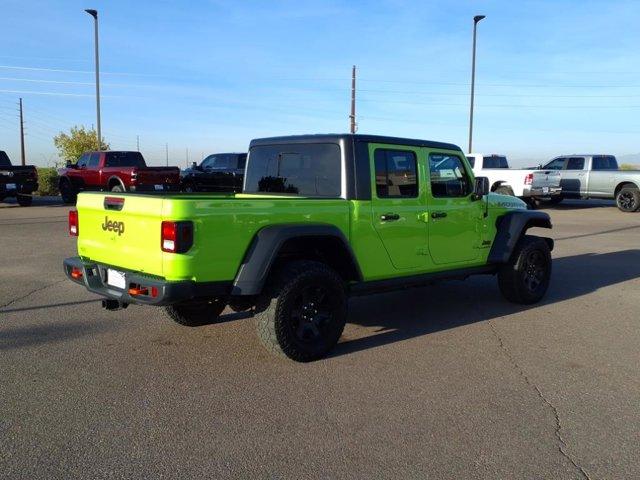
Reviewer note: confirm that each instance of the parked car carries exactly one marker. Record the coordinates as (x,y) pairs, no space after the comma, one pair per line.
(115,171)
(597,176)
(529,185)
(220,172)
(17,181)
(321,217)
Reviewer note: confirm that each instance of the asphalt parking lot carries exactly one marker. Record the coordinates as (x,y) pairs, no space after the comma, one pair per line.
(448,381)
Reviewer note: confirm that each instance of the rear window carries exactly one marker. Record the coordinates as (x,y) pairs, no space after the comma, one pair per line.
(4,160)
(124,159)
(604,162)
(312,170)
(494,161)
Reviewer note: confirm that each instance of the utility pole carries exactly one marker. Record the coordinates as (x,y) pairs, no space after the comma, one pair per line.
(476,19)
(187,158)
(138,142)
(94,14)
(22,157)
(166,153)
(352,117)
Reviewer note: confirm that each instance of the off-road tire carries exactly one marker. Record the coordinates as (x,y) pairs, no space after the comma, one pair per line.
(525,277)
(117,188)
(287,326)
(24,200)
(68,194)
(196,314)
(628,199)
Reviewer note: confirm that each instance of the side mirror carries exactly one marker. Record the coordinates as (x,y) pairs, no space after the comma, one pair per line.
(194,165)
(70,165)
(481,187)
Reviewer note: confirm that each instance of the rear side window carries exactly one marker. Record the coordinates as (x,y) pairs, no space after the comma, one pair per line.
(448,176)
(575,163)
(556,164)
(494,161)
(396,173)
(310,170)
(604,162)
(94,160)
(124,159)
(472,161)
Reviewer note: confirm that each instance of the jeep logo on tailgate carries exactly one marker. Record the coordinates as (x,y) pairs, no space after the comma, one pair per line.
(112,226)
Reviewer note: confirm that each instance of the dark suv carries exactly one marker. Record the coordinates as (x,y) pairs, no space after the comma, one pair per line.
(220,172)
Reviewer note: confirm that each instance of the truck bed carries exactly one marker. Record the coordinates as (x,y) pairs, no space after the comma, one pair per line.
(231,219)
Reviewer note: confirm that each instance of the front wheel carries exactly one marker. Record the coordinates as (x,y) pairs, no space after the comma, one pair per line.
(196,314)
(305,311)
(628,199)
(525,277)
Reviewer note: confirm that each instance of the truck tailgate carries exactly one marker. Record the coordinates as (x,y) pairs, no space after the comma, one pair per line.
(123,231)
(158,176)
(546,178)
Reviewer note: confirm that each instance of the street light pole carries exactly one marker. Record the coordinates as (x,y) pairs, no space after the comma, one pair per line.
(476,19)
(94,14)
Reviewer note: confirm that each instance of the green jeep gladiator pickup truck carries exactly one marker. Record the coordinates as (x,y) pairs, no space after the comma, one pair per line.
(321,217)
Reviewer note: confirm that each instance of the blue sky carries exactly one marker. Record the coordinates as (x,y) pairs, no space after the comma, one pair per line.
(552,76)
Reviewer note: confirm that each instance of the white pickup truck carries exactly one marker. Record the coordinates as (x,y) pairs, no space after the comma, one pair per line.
(530,185)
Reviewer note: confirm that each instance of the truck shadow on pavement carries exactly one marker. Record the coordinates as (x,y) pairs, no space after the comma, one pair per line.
(398,316)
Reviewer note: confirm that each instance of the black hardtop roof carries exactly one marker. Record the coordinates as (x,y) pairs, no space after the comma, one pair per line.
(111,151)
(337,137)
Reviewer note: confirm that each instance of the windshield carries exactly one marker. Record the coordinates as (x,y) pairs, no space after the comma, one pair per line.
(312,170)
(124,159)
(4,160)
(495,161)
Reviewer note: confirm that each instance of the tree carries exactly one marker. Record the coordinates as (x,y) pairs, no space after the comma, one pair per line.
(627,166)
(70,146)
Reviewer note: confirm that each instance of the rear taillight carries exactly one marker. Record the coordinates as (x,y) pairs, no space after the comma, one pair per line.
(74,226)
(528,179)
(176,237)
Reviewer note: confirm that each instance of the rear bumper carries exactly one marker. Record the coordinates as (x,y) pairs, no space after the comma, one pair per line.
(94,278)
(18,187)
(539,192)
(152,188)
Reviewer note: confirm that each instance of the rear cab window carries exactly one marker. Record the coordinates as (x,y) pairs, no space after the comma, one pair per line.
(495,161)
(306,169)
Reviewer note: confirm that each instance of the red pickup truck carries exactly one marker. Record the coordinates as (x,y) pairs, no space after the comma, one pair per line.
(115,172)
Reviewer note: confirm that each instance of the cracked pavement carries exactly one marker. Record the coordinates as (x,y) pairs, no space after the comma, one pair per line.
(443,382)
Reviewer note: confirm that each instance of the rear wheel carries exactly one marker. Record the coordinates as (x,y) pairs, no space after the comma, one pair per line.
(24,200)
(306,311)
(68,194)
(196,314)
(525,278)
(117,188)
(504,190)
(628,199)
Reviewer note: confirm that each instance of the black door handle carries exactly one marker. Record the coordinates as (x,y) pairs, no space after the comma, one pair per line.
(389,217)
(438,214)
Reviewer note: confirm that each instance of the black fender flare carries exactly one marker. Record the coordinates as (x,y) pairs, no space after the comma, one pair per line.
(511,227)
(264,249)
